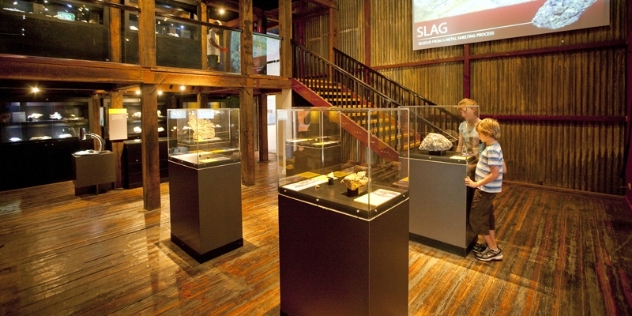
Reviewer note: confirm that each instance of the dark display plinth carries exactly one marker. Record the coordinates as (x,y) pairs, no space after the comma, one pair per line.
(439,211)
(205,208)
(94,173)
(332,263)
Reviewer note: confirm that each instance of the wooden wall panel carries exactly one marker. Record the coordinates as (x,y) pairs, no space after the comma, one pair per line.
(391,36)
(588,83)
(576,155)
(317,35)
(445,80)
(352,34)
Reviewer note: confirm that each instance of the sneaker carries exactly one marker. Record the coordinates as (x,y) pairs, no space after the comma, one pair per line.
(489,255)
(479,248)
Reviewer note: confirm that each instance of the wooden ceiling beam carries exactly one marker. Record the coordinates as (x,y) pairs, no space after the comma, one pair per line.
(330,4)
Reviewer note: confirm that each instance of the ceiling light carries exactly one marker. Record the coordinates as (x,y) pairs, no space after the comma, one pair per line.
(35,89)
(182,88)
(221,11)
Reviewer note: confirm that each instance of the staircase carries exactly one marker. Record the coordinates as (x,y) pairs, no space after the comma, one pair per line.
(400,94)
(325,84)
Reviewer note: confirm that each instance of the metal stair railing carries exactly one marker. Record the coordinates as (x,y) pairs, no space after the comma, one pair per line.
(400,94)
(378,81)
(316,72)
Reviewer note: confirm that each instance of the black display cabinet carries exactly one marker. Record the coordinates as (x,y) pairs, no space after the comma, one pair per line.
(205,181)
(343,245)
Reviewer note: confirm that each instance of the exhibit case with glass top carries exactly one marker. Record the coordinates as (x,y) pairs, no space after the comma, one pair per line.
(445,153)
(32,121)
(343,197)
(203,137)
(352,160)
(205,181)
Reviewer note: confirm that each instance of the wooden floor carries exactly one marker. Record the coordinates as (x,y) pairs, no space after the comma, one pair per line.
(565,254)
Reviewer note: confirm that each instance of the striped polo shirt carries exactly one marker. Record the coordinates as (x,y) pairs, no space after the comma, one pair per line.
(492,156)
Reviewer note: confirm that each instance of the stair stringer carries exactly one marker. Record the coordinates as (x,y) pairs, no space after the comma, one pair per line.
(381,148)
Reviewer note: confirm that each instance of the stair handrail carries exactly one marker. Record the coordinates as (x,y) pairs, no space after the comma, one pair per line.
(366,72)
(338,75)
(352,65)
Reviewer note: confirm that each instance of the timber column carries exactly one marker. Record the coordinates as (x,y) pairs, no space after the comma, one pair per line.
(246,98)
(149,106)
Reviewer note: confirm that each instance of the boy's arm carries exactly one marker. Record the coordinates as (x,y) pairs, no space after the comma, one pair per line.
(459,143)
(493,175)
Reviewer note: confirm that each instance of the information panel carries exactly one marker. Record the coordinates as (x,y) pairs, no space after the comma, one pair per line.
(452,22)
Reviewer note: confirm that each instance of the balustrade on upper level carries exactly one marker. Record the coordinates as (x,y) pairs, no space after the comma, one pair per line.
(90,30)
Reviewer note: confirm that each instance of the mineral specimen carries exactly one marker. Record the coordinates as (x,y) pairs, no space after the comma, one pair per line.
(435,142)
(203,129)
(355,180)
(555,14)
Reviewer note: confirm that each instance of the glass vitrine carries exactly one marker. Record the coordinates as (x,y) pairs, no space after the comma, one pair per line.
(445,131)
(349,160)
(203,137)
(29,121)
(446,151)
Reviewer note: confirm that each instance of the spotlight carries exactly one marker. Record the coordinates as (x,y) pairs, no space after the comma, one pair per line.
(182,88)
(35,89)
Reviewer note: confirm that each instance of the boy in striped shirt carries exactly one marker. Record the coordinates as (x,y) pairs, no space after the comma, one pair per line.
(488,181)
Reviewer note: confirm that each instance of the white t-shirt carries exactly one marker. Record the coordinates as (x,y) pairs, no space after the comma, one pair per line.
(470,139)
(210,49)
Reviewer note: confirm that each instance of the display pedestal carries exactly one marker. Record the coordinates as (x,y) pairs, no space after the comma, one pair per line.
(94,173)
(439,213)
(205,208)
(332,263)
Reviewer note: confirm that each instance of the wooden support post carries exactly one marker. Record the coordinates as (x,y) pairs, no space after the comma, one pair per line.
(116,52)
(285,32)
(246,127)
(149,135)
(203,14)
(202,99)
(147,33)
(263,128)
(246,98)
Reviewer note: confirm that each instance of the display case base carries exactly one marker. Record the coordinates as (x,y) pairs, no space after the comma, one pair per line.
(205,209)
(94,173)
(457,250)
(203,257)
(439,212)
(332,263)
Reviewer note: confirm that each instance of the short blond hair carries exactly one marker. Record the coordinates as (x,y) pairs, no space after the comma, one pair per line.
(468,103)
(489,127)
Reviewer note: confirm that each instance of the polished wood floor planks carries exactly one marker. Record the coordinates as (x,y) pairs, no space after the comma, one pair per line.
(566,253)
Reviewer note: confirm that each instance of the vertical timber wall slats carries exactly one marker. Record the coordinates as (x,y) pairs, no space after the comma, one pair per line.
(581,154)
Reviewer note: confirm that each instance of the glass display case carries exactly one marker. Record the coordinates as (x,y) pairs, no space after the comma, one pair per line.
(445,153)
(445,131)
(134,129)
(203,137)
(31,121)
(55,28)
(350,160)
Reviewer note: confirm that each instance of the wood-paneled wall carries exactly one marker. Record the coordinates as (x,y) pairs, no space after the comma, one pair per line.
(563,92)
